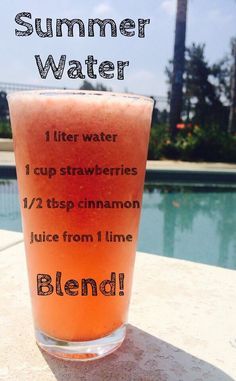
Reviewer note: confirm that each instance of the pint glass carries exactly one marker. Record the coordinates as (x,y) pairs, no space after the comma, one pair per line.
(80,159)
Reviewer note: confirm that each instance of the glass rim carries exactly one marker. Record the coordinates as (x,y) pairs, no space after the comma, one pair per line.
(70,92)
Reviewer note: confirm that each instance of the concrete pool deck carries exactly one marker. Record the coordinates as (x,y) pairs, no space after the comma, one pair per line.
(181,325)
(163,171)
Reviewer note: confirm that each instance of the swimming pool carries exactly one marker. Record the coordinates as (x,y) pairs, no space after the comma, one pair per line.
(196,223)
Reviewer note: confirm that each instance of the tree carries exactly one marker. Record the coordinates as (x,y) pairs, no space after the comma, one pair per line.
(232,115)
(89,86)
(4,112)
(178,66)
(205,89)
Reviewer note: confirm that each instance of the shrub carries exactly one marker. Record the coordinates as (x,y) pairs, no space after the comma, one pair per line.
(193,144)
(5,129)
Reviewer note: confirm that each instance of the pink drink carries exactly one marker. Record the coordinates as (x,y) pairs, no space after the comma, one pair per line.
(81,157)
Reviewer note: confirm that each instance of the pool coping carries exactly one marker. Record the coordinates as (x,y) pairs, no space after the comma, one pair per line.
(159,171)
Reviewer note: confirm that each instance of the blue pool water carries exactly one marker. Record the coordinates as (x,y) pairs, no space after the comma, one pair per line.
(193,223)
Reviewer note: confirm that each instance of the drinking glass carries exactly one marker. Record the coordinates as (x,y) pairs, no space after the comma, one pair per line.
(80,159)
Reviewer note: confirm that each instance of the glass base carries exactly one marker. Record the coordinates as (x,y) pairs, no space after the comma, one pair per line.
(81,350)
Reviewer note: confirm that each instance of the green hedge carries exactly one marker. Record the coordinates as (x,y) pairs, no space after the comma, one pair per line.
(5,129)
(193,144)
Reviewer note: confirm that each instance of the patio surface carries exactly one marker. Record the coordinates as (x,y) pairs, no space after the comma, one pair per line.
(181,325)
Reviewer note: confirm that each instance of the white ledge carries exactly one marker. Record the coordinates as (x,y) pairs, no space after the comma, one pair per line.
(7,158)
(182,326)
